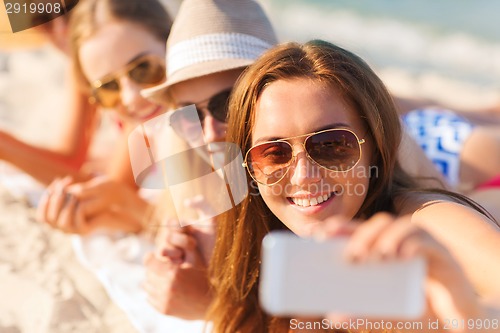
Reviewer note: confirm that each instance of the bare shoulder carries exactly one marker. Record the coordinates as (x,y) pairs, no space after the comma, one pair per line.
(411,202)
(439,208)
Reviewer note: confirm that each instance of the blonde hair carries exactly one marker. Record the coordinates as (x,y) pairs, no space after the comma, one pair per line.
(86,19)
(235,264)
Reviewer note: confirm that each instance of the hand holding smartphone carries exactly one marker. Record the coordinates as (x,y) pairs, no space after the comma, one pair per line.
(302,277)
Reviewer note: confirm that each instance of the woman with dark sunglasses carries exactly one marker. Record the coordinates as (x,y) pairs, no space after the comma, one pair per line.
(117,49)
(320,134)
(211,43)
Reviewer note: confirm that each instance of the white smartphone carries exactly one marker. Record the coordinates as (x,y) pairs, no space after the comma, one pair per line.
(303,277)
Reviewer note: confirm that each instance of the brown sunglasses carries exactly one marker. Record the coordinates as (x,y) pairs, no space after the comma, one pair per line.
(145,70)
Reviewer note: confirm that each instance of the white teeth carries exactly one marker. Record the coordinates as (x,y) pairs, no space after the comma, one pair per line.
(305,202)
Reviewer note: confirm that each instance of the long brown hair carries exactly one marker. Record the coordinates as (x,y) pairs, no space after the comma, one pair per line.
(87,18)
(236,258)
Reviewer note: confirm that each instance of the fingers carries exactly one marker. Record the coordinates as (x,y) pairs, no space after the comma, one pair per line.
(163,244)
(363,239)
(334,227)
(43,204)
(56,201)
(96,195)
(180,246)
(156,266)
(60,208)
(83,227)
(205,238)
(95,206)
(91,188)
(181,240)
(53,201)
(384,237)
(204,230)
(381,237)
(177,290)
(111,220)
(65,220)
(174,243)
(157,281)
(174,254)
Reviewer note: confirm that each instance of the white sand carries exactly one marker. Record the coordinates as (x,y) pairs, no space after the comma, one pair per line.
(44,289)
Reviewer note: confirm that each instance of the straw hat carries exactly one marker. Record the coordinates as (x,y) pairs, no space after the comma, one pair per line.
(210,36)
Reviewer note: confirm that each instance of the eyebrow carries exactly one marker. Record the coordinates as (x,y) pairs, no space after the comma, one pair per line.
(183,104)
(142,54)
(323,128)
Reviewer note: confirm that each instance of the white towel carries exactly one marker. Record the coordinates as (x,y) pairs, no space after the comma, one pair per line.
(116,260)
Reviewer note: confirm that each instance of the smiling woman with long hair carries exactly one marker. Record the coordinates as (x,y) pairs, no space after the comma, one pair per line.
(311,120)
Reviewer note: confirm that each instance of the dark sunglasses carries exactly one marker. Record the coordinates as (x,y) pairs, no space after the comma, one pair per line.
(184,121)
(337,150)
(145,70)
(217,107)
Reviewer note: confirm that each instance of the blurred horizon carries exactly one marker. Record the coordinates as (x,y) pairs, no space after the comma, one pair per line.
(447,50)
(446,43)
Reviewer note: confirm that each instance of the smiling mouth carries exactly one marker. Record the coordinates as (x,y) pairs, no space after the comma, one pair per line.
(311,201)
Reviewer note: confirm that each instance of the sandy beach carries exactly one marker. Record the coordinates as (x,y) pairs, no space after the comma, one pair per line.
(44,288)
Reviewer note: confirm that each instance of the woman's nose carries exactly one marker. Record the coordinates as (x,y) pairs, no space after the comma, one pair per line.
(303,171)
(213,129)
(130,95)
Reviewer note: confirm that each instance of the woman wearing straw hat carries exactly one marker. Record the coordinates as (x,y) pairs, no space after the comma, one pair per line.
(211,43)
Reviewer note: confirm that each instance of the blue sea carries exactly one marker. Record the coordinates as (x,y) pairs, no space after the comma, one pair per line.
(458,40)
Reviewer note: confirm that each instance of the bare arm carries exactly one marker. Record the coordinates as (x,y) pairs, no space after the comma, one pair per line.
(450,296)
(478,116)
(119,167)
(67,159)
(472,239)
